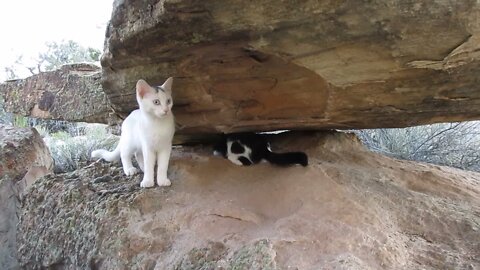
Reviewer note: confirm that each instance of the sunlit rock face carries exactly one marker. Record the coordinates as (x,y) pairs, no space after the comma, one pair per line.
(269,65)
(348,209)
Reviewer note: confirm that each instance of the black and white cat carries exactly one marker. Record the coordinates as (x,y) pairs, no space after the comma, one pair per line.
(248,148)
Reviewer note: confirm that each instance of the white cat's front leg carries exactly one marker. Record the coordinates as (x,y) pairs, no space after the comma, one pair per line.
(149,164)
(162,167)
(139,158)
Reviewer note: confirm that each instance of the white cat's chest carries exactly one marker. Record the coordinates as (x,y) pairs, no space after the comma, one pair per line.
(157,132)
(138,130)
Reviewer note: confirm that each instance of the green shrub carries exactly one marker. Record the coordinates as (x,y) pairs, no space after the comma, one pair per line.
(69,143)
(71,152)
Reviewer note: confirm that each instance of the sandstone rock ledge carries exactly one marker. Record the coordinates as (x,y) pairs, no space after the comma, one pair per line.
(71,93)
(23,159)
(270,65)
(349,209)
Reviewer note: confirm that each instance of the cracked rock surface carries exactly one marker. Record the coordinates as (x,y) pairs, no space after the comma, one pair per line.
(349,209)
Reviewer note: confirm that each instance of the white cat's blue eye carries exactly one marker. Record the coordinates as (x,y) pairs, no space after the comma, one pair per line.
(156,102)
(169,101)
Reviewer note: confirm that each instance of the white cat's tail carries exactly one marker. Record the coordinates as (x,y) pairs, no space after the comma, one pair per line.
(107,155)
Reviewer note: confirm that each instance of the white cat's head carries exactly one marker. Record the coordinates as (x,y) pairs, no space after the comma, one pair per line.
(155,100)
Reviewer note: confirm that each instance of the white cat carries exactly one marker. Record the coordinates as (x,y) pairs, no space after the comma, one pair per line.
(147,133)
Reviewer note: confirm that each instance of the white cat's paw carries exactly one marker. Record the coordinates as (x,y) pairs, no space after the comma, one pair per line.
(146,183)
(164,182)
(130,171)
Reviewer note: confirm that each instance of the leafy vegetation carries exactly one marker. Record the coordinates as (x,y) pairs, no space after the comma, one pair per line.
(68,52)
(69,143)
(55,55)
(72,151)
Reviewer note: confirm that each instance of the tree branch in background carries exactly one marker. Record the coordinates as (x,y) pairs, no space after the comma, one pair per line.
(452,144)
(56,55)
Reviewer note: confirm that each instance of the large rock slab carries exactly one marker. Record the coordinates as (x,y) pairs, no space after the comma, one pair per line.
(71,93)
(23,159)
(349,209)
(291,64)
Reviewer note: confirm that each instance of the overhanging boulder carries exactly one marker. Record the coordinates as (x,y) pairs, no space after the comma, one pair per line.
(298,64)
(275,65)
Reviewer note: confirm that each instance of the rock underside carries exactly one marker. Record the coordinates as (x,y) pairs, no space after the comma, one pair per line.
(349,209)
(23,159)
(269,65)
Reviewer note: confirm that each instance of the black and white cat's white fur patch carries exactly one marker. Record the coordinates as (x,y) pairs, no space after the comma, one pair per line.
(248,148)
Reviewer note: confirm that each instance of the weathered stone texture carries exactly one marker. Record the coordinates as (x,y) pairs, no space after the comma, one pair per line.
(23,159)
(71,93)
(349,209)
(269,65)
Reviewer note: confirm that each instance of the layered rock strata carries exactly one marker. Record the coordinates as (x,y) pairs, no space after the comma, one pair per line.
(270,65)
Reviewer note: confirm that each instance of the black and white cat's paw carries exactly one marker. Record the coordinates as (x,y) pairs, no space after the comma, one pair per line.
(235,160)
(130,171)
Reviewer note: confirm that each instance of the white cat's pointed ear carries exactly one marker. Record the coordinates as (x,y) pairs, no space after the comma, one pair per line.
(167,85)
(142,88)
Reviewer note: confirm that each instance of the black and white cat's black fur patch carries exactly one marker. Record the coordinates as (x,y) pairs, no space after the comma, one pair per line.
(245,149)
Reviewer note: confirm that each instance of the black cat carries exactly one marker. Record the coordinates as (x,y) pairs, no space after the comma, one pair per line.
(250,148)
